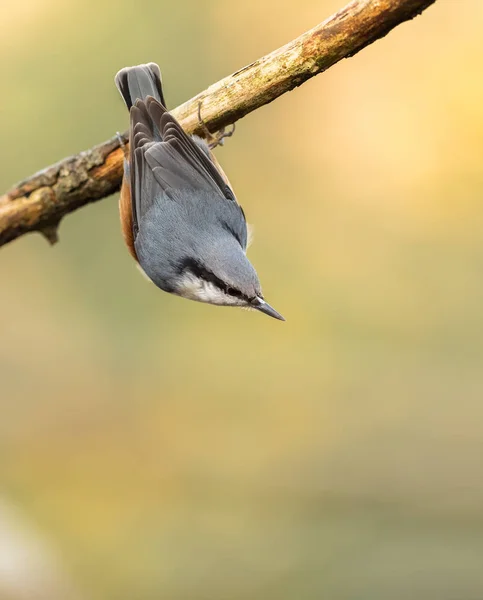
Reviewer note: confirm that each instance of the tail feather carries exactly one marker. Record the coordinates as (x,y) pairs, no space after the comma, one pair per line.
(139,82)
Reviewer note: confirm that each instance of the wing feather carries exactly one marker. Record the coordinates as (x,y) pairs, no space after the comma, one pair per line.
(165,159)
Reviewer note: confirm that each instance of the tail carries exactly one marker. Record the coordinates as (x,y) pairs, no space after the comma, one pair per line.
(139,82)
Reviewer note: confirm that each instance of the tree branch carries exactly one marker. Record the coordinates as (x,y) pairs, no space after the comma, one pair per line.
(39,202)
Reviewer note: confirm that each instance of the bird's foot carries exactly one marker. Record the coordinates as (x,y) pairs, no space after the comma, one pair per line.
(214,139)
(122,143)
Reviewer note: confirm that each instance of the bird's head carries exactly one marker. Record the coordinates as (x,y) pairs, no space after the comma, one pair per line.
(224,276)
(198,251)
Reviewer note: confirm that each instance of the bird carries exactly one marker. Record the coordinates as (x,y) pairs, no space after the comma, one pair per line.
(179,216)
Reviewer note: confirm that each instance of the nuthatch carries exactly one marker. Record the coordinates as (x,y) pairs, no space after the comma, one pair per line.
(179,216)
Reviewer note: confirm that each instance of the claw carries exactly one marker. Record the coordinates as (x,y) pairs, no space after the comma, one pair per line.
(214,139)
(222,134)
(122,144)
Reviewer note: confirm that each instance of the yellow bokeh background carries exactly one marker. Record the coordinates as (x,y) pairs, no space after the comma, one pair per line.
(152,447)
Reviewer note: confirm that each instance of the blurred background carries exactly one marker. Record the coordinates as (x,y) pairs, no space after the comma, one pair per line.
(156,448)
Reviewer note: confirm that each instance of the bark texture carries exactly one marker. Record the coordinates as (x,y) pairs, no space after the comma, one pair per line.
(39,202)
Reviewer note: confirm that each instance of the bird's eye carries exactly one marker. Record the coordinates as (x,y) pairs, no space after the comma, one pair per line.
(233,292)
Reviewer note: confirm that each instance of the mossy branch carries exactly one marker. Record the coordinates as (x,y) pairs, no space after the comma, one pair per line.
(39,202)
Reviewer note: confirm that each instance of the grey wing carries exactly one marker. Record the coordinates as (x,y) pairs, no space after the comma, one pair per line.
(164,159)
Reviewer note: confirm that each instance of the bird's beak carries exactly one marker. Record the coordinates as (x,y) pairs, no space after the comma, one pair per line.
(263,307)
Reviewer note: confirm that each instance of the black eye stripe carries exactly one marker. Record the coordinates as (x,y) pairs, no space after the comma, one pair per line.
(197,269)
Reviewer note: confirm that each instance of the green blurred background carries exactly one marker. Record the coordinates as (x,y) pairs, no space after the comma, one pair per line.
(156,448)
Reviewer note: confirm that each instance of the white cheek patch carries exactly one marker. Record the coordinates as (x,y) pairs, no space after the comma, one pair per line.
(194,288)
